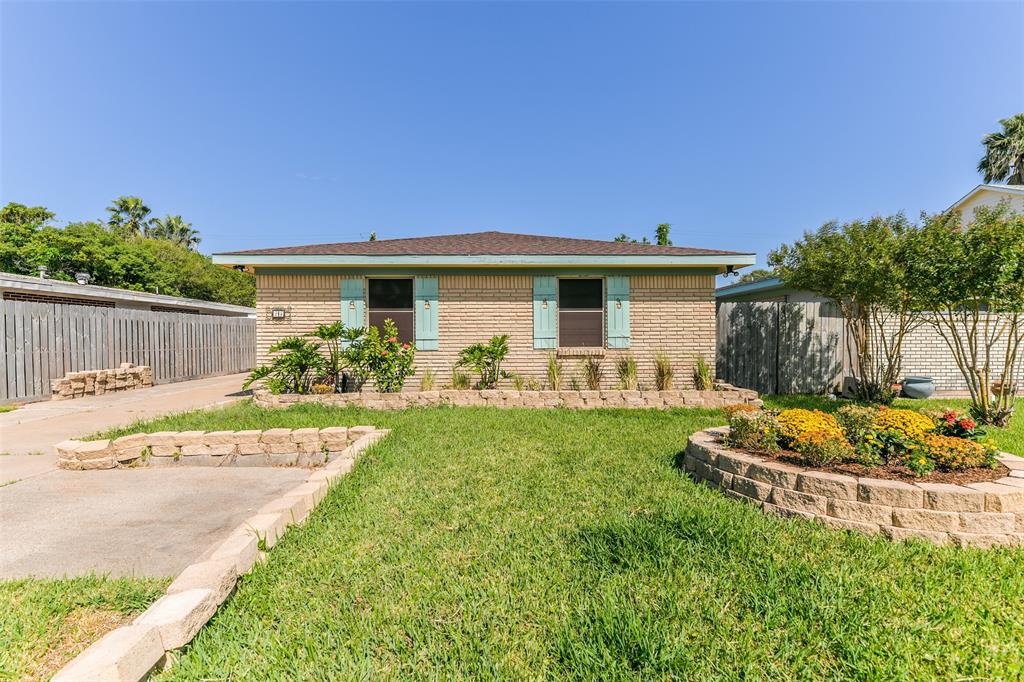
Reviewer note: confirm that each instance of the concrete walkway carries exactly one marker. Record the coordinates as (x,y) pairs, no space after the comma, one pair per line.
(147,522)
(28,434)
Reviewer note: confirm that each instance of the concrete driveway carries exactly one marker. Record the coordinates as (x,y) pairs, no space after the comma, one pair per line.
(28,434)
(146,522)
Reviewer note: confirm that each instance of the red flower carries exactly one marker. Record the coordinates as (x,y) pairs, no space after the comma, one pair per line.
(383,353)
(967,424)
(950,417)
(393,339)
(405,346)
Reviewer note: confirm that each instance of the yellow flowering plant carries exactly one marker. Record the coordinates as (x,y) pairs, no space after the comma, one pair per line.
(797,422)
(951,453)
(905,424)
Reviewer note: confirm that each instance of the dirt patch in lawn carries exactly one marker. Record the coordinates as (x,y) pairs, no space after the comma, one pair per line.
(80,628)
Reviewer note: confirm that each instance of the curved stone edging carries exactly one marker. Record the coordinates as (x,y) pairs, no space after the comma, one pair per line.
(308,447)
(729,395)
(132,651)
(972,515)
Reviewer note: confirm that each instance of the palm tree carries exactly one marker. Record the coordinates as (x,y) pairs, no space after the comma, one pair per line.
(128,215)
(1004,153)
(173,228)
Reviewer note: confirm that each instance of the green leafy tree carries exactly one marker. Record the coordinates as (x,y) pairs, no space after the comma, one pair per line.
(18,224)
(756,275)
(859,266)
(1004,153)
(485,359)
(173,228)
(969,284)
(661,235)
(128,216)
(113,259)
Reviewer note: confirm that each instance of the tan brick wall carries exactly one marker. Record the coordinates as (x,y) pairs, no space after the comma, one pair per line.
(925,353)
(671,313)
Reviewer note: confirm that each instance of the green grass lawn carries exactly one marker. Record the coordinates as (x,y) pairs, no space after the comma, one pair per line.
(45,623)
(555,543)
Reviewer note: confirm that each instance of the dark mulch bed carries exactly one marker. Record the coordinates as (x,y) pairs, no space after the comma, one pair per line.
(890,472)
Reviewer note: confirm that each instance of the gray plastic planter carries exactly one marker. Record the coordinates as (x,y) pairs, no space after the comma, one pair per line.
(918,387)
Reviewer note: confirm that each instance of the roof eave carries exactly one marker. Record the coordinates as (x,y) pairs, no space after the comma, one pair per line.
(300,260)
(1005,189)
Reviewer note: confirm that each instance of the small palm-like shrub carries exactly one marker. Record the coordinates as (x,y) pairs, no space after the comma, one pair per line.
(485,359)
(295,366)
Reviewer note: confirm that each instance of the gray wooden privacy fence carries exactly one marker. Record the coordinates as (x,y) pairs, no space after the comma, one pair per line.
(42,342)
(777,347)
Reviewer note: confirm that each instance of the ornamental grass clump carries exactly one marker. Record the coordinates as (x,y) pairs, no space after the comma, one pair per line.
(625,367)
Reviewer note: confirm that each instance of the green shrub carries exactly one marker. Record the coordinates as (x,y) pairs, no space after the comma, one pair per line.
(857,424)
(757,431)
(821,448)
(380,356)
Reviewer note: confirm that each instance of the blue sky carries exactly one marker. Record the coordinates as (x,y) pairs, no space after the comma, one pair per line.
(286,123)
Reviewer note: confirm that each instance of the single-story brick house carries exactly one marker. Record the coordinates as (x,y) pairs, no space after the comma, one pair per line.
(574,297)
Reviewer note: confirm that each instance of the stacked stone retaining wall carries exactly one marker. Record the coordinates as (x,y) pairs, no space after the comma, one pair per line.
(274,447)
(728,395)
(976,514)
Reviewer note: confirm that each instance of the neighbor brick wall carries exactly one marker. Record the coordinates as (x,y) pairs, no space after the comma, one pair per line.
(671,313)
(925,353)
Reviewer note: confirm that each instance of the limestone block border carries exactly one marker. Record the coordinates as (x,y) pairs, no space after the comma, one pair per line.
(99,381)
(973,515)
(132,651)
(306,447)
(728,395)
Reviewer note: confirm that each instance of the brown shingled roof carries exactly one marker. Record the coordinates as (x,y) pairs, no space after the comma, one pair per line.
(484,244)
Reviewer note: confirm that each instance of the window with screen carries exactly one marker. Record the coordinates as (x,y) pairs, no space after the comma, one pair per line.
(392,299)
(580,313)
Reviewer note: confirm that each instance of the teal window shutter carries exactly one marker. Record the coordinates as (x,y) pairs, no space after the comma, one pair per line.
(617,288)
(353,306)
(545,307)
(425,291)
